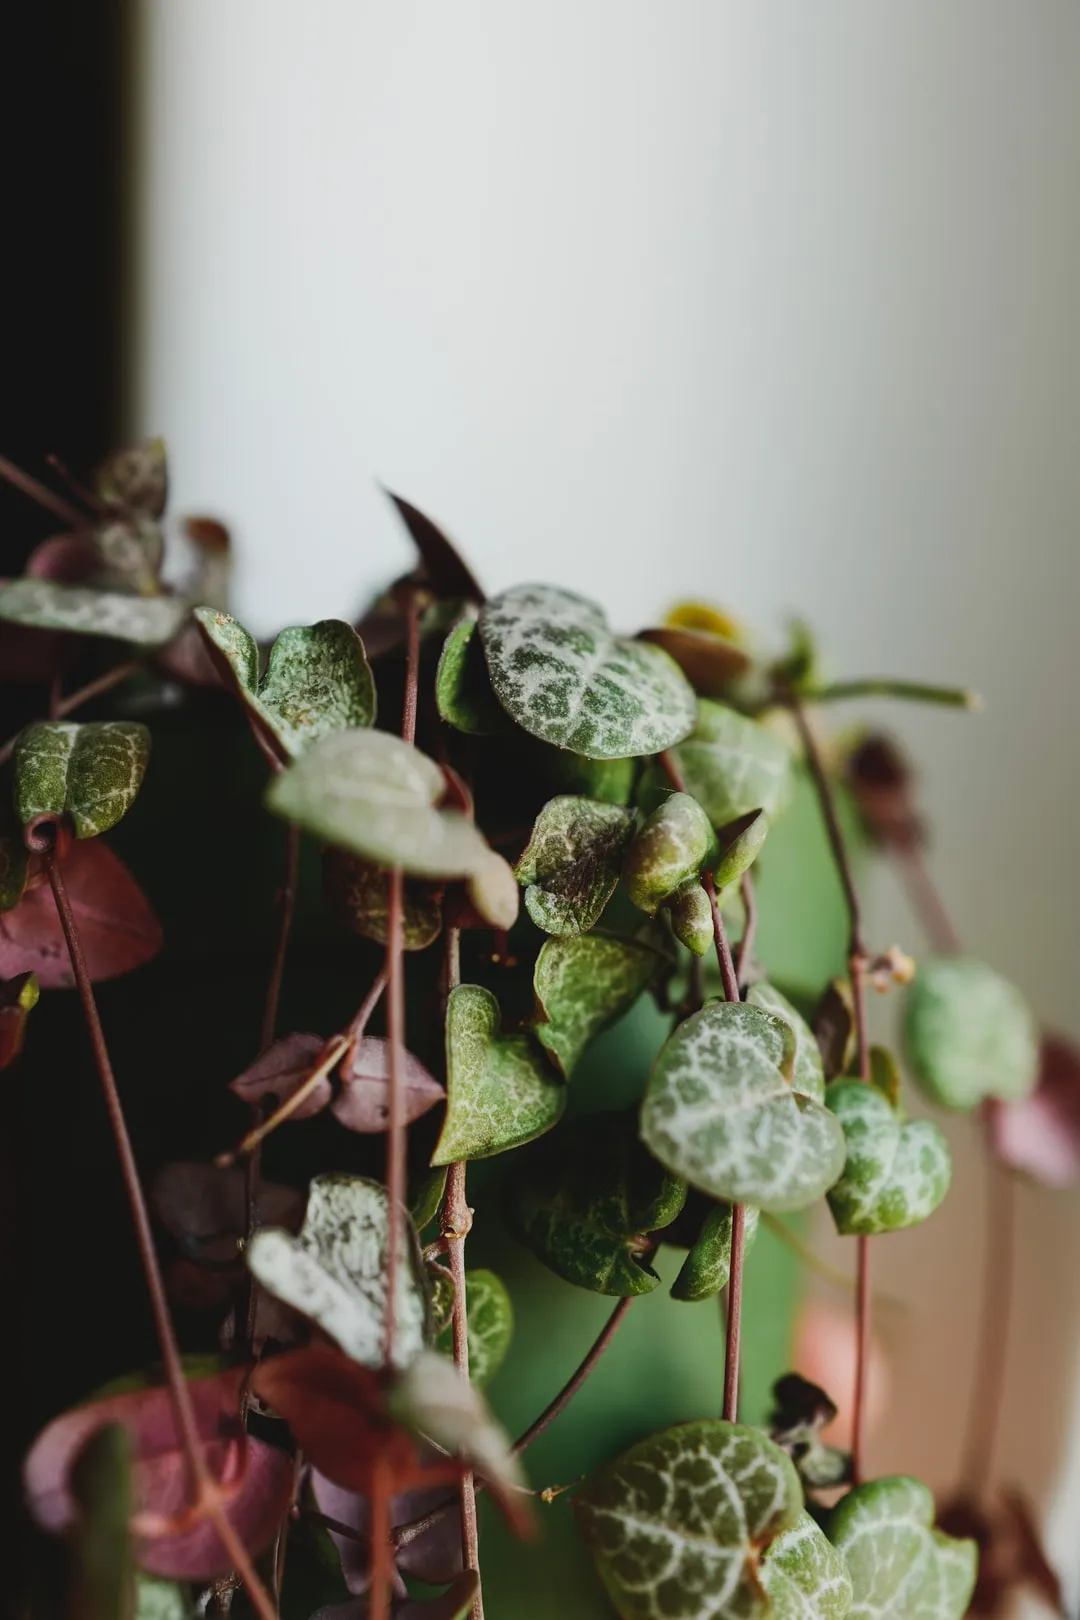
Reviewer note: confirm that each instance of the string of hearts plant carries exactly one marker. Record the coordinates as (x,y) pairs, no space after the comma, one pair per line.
(634,782)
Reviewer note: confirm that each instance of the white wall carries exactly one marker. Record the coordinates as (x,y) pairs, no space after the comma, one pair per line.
(776,303)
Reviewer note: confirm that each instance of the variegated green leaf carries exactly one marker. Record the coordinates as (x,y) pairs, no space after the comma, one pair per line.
(463,692)
(741,844)
(808,1074)
(677,1525)
(335,1271)
(691,917)
(731,765)
(611,781)
(805,1576)
(896,1173)
(707,1267)
(721,1110)
(375,795)
(490,1317)
(359,893)
(570,865)
(586,1199)
(970,1034)
(500,1091)
(90,773)
(583,983)
(901,1568)
(45,604)
(560,672)
(317,679)
(676,841)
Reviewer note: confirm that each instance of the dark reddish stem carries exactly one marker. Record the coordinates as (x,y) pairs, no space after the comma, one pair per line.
(42,494)
(857,971)
(745,954)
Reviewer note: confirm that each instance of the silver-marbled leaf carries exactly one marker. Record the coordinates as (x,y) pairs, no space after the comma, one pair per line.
(804,1575)
(732,765)
(501,1092)
(570,865)
(46,604)
(970,1034)
(560,672)
(901,1568)
(707,1266)
(808,1074)
(90,773)
(722,1111)
(334,1272)
(896,1172)
(377,796)
(583,983)
(678,1523)
(490,1325)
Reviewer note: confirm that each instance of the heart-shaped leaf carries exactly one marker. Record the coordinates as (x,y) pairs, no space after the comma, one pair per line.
(582,984)
(676,841)
(731,765)
(804,1575)
(45,604)
(117,928)
(283,1069)
(335,1271)
(710,662)
(376,795)
(136,479)
(90,773)
(317,679)
(1040,1135)
(970,1034)
(722,1111)
(359,892)
(463,692)
(362,1104)
(18,998)
(897,1171)
(500,1091)
(571,863)
(678,1524)
(205,1208)
(691,917)
(490,1319)
(900,1566)
(259,1478)
(433,1556)
(808,1073)
(586,1199)
(707,1267)
(558,670)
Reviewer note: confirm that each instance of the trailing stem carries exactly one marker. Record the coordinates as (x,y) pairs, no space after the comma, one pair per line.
(203,1488)
(857,959)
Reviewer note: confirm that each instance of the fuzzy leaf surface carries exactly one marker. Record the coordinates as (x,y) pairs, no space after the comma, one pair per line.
(970,1034)
(585,1200)
(901,1568)
(896,1172)
(707,1266)
(334,1272)
(732,765)
(490,1317)
(500,1091)
(376,795)
(677,1525)
(561,673)
(45,604)
(582,984)
(570,865)
(91,773)
(721,1111)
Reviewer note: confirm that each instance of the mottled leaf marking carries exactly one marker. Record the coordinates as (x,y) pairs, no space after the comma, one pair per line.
(490,1323)
(901,1568)
(500,1091)
(896,1172)
(808,1074)
(45,604)
(970,1034)
(805,1576)
(707,1266)
(91,773)
(583,983)
(732,765)
(570,865)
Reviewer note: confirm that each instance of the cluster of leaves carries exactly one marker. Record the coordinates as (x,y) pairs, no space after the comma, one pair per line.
(634,781)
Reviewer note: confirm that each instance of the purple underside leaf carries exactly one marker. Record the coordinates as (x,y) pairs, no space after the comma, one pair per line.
(205,1208)
(281,1070)
(1040,1134)
(117,928)
(434,1556)
(363,1102)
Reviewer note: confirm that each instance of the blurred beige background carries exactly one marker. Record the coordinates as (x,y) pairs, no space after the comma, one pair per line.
(772,303)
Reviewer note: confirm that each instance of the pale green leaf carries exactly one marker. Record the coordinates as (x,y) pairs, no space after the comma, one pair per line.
(970,1034)
(808,1074)
(721,1110)
(805,1576)
(376,795)
(334,1272)
(45,604)
(691,917)
(490,1319)
(500,1091)
(901,1568)
(707,1267)
(896,1172)
(672,846)
(583,983)
(561,673)
(730,765)
(586,1199)
(463,692)
(317,679)
(677,1525)
(90,773)
(741,844)
(160,1600)
(493,892)
(570,865)
(432,1398)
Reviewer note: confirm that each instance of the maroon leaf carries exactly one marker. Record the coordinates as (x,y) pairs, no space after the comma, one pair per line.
(117,927)
(72,559)
(1040,1136)
(433,1556)
(257,1479)
(204,1208)
(281,1070)
(446,572)
(362,1103)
